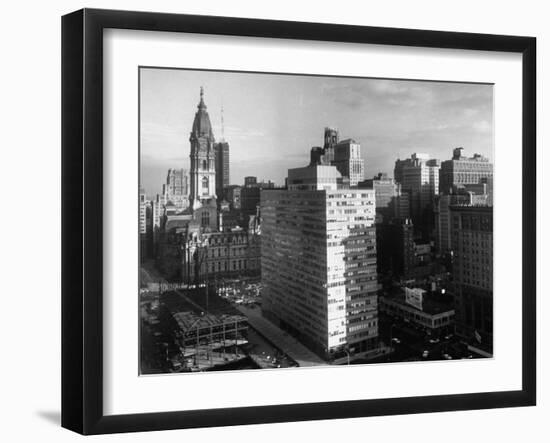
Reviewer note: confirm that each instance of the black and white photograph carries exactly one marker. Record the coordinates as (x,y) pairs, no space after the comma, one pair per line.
(289,221)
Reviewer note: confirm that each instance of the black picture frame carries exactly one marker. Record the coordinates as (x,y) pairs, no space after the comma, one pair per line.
(82,215)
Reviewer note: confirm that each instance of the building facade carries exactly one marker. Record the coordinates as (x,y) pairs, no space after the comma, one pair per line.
(318,261)
(396,248)
(348,161)
(442,213)
(387,192)
(472,245)
(176,189)
(419,177)
(221,151)
(461,170)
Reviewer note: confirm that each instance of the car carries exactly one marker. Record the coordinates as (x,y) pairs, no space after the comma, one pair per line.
(396,340)
(425,353)
(447,357)
(448,336)
(434,340)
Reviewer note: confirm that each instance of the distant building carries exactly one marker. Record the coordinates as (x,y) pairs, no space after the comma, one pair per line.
(331,140)
(387,193)
(318,262)
(348,160)
(396,248)
(472,245)
(250,181)
(419,177)
(250,194)
(142,228)
(232,194)
(403,205)
(176,190)
(442,211)
(344,154)
(461,170)
(142,211)
(221,151)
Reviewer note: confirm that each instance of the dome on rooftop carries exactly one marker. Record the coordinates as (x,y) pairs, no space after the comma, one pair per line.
(201,124)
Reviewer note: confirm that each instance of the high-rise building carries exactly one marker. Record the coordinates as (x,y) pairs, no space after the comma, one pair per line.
(472,245)
(142,211)
(176,190)
(348,161)
(203,159)
(387,192)
(396,248)
(345,155)
(461,170)
(442,212)
(331,140)
(318,260)
(419,177)
(221,151)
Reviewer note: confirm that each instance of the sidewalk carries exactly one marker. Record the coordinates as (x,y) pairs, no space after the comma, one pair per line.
(280,339)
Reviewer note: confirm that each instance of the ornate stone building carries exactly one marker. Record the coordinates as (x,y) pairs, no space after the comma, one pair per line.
(203,158)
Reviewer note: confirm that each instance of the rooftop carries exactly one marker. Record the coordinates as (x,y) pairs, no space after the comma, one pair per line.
(431,304)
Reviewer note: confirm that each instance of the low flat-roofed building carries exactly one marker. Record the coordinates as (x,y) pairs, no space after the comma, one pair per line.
(434,315)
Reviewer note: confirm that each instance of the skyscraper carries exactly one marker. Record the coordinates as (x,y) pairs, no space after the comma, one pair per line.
(221,151)
(331,140)
(203,159)
(387,192)
(318,260)
(419,177)
(348,161)
(472,244)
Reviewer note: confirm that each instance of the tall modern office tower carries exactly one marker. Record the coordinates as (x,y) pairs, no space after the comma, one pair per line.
(221,151)
(419,177)
(472,244)
(348,161)
(142,211)
(176,189)
(461,170)
(318,260)
(203,159)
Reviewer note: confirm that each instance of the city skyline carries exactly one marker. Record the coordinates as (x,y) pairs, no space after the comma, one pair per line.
(329,268)
(271,128)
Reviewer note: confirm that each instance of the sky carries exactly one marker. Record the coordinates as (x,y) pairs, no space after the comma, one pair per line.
(271,121)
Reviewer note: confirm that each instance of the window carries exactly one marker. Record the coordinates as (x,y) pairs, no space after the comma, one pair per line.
(205,219)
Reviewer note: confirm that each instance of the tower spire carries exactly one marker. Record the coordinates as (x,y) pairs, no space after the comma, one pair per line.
(201,102)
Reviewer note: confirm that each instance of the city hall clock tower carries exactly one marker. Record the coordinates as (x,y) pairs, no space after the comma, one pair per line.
(203,164)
